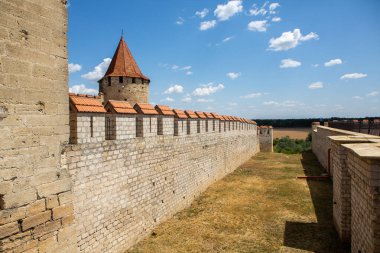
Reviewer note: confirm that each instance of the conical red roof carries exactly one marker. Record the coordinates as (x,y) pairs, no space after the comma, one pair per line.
(123,63)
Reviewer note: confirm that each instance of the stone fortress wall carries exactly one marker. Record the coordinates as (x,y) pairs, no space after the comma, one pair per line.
(353,161)
(101,193)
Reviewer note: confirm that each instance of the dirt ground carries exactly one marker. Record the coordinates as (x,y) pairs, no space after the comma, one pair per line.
(260,207)
(293,133)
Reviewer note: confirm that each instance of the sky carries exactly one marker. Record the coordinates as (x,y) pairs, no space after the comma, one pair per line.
(248,58)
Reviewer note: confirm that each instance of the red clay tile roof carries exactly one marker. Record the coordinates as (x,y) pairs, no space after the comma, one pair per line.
(86,103)
(215,115)
(146,109)
(180,114)
(201,115)
(121,107)
(123,63)
(164,110)
(191,114)
(209,115)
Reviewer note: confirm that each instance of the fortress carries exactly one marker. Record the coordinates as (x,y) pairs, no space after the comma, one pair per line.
(83,173)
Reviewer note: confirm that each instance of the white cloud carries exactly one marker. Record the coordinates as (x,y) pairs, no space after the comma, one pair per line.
(180,21)
(276,19)
(233,75)
(373,94)
(174,67)
(227,39)
(353,76)
(207,89)
(74,67)
(225,11)
(205,25)
(203,13)
(289,40)
(176,88)
(189,73)
(233,104)
(316,85)
(333,62)
(287,103)
(289,63)
(273,7)
(167,99)
(315,65)
(202,100)
(256,11)
(98,71)
(258,26)
(252,95)
(82,89)
(357,97)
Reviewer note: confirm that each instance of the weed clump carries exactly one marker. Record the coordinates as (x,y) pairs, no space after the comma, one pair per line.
(286,145)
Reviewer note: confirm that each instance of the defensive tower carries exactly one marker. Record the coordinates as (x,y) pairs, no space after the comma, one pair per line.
(123,80)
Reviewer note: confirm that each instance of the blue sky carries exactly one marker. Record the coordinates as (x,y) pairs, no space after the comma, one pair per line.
(254,59)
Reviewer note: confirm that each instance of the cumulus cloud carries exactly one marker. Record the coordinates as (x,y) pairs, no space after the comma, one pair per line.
(180,21)
(233,75)
(167,99)
(353,76)
(73,67)
(258,26)
(289,63)
(271,103)
(226,11)
(98,71)
(82,89)
(333,62)
(186,68)
(205,25)
(203,13)
(276,19)
(252,95)
(289,40)
(373,94)
(316,85)
(189,73)
(176,88)
(208,89)
(357,97)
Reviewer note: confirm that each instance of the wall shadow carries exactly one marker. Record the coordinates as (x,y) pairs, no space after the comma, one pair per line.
(321,236)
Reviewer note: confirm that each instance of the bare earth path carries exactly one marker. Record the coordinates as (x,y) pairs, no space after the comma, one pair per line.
(261,207)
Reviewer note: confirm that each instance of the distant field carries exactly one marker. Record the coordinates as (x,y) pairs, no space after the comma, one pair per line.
(293,133)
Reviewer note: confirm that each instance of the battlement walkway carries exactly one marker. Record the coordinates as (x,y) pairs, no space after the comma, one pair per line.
(260,207)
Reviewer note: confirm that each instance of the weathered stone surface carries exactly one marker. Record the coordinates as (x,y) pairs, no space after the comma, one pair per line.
(54,187)
(36,207)
(63,211)
(9,229)
(21,198)
(35,220)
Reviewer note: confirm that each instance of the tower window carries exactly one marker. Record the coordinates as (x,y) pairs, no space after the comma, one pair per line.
(120,79)
(92,126)
(109,81)
(133,80)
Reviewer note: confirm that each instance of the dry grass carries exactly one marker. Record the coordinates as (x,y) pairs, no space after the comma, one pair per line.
(293,133)
(261,207)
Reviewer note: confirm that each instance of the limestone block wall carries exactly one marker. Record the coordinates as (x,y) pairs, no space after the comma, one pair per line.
(192,126)
(341,192)
(167,124)
(180,127)
(321,144)
(123,189)
(266,139)
(125,126)
(90,127)
(36,210)
(365,197)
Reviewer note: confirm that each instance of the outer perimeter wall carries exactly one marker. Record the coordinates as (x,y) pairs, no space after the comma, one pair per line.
(124,188)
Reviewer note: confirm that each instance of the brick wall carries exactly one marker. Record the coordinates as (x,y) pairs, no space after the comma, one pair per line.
(36,210)
(266,139)
(123,189)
